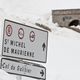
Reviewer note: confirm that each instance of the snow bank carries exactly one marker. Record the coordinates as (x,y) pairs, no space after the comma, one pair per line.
(63,49)
(59,31)
(63,53)
(6,76)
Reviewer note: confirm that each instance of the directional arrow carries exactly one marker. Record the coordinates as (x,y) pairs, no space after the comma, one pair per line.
(42,73)
(43,46)
(32,68)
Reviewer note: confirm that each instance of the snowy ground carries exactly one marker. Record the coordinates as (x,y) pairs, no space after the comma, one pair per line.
(63,49)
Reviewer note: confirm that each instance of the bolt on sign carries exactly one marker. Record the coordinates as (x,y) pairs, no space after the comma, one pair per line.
(24,69)
(24,42)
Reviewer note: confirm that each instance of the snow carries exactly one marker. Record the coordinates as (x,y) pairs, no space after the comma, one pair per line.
(63,49)
(6,76)
(63,57)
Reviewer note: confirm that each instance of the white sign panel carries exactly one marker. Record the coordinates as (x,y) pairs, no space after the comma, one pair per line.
(28,69)
(24,42)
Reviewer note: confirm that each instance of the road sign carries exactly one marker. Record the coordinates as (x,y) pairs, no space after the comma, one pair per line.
(21,33)
(24,42)
(32,36)
(8,30)
(24,69)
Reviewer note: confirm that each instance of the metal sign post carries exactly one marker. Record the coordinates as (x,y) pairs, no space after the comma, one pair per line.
(18,77)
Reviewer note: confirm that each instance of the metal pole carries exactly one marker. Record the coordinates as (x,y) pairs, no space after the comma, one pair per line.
(18,77)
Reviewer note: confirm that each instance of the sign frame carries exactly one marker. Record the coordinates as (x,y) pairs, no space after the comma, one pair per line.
(33,64)
(29,27)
